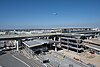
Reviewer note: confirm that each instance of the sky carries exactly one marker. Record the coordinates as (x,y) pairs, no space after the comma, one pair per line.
(19,14)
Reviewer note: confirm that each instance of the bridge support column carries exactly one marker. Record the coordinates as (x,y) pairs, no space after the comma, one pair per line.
(55,44)
(48,37)
(17,45)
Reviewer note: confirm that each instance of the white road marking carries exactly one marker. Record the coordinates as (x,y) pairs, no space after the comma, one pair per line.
(21,61)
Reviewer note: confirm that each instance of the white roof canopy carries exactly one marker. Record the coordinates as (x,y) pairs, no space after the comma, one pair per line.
(38,42)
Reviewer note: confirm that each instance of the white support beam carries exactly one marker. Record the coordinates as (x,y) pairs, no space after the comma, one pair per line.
(60,41)
(55,47)
(54,38)
(17,45)
(55,44)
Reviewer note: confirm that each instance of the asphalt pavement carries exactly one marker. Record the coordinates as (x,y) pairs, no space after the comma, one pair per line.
(7,60)
(18,60)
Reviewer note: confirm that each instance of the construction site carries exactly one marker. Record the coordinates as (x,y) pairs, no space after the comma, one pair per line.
(68,47)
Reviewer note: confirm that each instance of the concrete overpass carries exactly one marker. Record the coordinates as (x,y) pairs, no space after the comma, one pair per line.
(22,36)
(18,37)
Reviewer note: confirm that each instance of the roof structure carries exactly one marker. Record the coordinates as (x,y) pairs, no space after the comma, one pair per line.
(38,42)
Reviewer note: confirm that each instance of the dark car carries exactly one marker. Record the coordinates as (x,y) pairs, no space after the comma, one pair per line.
(46,61)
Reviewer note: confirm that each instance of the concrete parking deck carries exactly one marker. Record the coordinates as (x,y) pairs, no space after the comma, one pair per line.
(94,41)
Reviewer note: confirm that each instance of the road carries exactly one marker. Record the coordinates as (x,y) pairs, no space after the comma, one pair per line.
(18,60)
(8,60)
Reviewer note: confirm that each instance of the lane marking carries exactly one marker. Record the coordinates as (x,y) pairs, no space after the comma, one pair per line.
(21,61)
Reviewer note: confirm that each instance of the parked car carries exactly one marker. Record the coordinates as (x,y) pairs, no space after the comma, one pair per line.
(46,61)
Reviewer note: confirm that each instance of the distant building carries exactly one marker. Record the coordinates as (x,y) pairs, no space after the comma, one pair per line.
(2,33)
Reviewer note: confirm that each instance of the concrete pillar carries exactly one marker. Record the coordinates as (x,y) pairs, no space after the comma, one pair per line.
(14,42)
(51,39)
(90,37)
(77,46)
(17,45)
(48,37)
(39,37)
(54,38)
(87,38)
(55,47)
(55,44)
(60,41)
(68,44)
(44,37)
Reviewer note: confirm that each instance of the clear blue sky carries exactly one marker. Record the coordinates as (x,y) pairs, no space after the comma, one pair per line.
(49,13)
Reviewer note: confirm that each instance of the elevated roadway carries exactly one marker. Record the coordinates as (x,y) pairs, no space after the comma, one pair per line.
(22,36)
(88,32)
